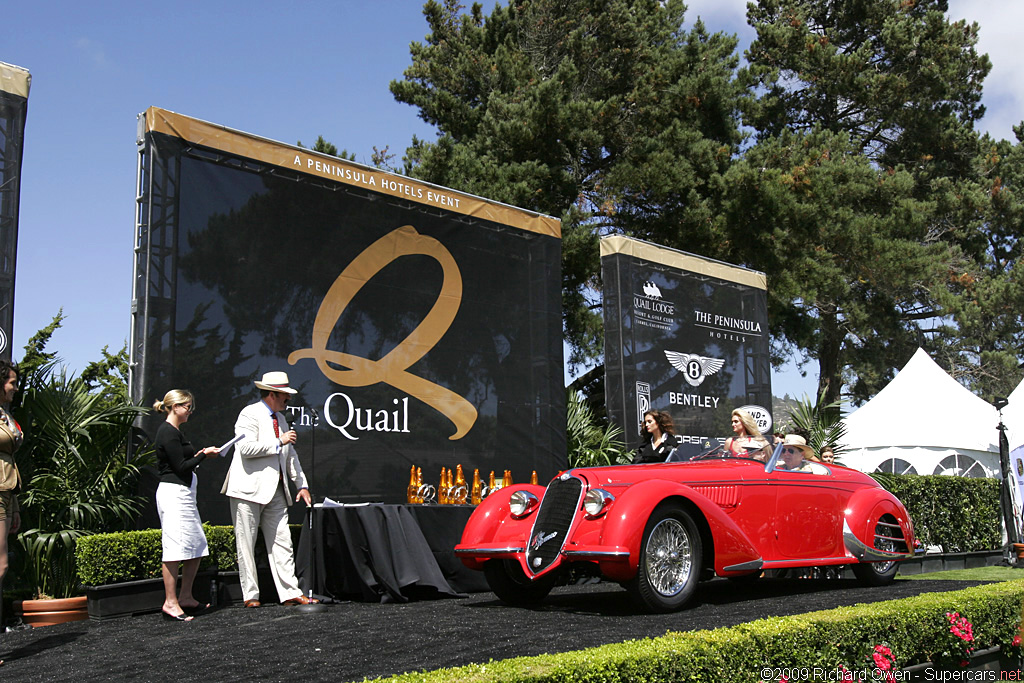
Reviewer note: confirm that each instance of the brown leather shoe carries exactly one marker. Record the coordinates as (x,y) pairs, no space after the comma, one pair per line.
(252,603)
(301,600)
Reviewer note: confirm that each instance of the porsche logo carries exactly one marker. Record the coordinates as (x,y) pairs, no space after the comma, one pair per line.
(393,368)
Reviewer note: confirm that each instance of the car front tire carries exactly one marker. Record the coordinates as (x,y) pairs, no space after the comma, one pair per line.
(670,561)
(508,581)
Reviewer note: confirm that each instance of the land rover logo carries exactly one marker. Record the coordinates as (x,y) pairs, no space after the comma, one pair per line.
(762,417)
(540,539)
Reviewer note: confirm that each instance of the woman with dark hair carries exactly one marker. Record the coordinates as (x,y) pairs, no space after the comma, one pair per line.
(11,437)
(657,437)
(183,539)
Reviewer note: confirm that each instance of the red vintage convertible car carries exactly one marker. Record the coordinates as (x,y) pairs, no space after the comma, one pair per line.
(660,528)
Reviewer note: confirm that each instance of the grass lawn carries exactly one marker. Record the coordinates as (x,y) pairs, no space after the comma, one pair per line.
(977,574)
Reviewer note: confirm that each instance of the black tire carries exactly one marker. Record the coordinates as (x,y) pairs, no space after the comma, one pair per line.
(875,573)
(670,561)
(878,573)
(507,580)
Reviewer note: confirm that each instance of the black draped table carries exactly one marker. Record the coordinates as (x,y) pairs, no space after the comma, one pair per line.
(386,553)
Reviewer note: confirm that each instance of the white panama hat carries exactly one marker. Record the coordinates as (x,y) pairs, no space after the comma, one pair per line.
(275,381)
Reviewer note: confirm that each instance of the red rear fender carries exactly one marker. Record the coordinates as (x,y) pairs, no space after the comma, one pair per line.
(867,506)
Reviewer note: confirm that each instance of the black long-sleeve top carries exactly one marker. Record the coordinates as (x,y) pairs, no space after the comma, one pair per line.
(176,457)
(646,452)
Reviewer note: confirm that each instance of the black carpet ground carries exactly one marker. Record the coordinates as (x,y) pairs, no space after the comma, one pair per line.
(356,640)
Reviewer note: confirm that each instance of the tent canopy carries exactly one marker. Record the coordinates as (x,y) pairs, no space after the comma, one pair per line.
(924,406)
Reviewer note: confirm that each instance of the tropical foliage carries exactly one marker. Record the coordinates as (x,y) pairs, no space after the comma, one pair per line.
(590,442)
(820,423)
(79,478)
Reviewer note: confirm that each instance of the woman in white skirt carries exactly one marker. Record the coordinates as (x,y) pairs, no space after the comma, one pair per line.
(183,539)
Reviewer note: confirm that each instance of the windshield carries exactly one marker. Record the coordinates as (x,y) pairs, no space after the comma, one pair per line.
(762,454)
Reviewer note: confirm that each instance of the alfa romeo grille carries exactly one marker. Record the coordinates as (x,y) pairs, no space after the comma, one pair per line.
(561,501)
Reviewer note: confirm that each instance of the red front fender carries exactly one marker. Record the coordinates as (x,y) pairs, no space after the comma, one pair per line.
(492,525)
(628,516)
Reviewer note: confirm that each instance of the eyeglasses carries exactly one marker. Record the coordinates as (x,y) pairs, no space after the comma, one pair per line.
(186,406)
(791,451)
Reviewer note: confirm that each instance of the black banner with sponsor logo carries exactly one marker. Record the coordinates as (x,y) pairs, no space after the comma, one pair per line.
(421,326)
(15,83)
(685,335)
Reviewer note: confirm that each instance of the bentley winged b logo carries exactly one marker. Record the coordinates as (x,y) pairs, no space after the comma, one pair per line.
(694,366)
(393,368)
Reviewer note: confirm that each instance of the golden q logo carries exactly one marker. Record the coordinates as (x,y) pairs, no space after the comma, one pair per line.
(393,368)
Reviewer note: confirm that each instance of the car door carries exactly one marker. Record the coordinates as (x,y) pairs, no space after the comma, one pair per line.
(808,513)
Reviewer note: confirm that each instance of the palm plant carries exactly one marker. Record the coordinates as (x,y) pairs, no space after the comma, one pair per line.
(821,424)
(590,443)
(79,478)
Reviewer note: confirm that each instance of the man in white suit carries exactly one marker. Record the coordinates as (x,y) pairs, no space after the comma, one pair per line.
(256,489)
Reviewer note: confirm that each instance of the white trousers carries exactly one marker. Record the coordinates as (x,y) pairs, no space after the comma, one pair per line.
(272,519)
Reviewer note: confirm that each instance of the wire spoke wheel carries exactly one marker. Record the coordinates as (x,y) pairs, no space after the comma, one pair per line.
(669,557)
(670,560)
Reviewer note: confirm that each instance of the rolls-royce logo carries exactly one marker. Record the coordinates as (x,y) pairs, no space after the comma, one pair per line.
(393,368)
(651,290)
(694,366)
(541,538)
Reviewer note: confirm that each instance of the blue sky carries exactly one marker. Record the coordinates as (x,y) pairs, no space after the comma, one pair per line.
(288,72)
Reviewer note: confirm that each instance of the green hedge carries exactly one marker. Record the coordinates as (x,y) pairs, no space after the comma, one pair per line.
(915,629)
(132,555)
(958,513)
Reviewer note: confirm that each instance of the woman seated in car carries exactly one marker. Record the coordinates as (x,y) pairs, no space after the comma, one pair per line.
(746,439)
(657,437)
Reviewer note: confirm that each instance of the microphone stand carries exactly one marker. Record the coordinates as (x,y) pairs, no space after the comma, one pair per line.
(312,608)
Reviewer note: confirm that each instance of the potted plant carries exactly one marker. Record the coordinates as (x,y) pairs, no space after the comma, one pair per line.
(79,480)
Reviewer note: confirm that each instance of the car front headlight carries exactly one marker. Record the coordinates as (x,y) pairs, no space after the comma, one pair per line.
(597,502)
(522,503)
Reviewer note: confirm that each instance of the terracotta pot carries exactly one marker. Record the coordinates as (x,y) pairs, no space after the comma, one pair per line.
(1018,550)
(49,612)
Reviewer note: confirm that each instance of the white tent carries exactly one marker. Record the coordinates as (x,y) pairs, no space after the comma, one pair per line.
(924,422)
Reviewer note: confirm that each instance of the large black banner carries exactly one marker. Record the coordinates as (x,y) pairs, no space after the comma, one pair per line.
(420,325)
(14,87)
(686,335)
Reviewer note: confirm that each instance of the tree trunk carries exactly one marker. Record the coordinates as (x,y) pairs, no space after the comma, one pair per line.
(830,380)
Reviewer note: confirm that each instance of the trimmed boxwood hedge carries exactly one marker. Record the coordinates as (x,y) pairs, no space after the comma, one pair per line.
(959,513)
(916,630)
(133,555)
